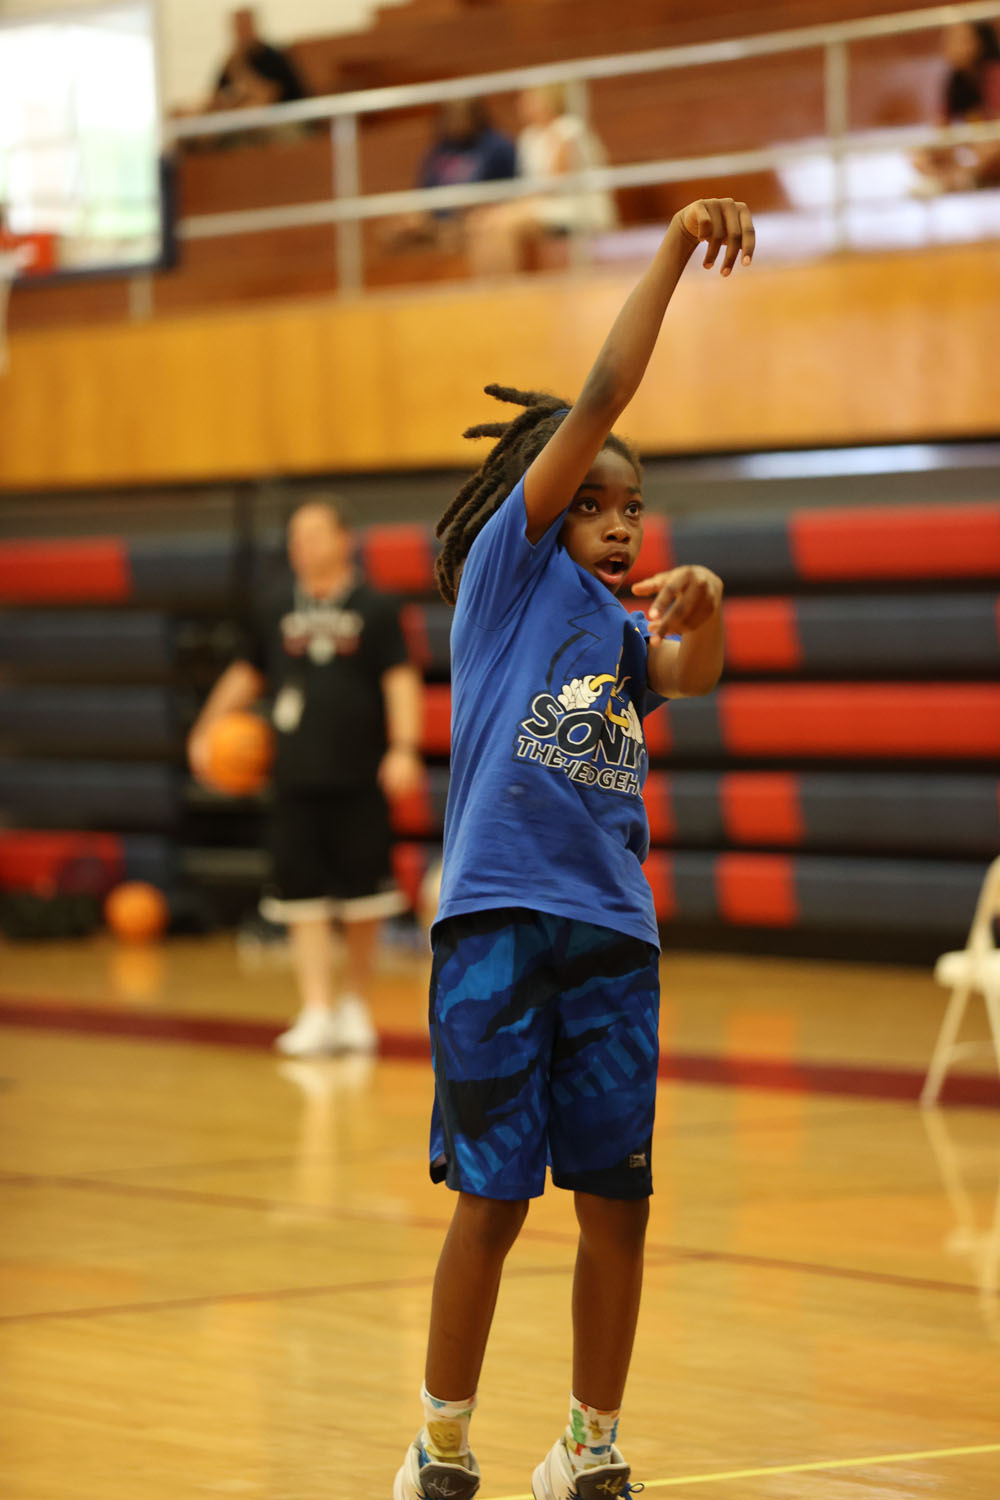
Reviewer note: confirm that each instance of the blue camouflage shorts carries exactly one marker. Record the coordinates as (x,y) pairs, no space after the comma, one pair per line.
(544,1035)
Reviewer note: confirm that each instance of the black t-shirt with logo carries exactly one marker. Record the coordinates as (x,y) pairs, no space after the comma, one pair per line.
(273,66)
(324,661)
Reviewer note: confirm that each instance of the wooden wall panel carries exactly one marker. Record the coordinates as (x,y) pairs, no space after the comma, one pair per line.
(896,347)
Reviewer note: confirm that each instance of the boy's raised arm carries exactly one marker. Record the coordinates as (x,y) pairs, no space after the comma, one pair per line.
(559,470)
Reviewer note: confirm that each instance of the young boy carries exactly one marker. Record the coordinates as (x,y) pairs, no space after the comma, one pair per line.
(545,985)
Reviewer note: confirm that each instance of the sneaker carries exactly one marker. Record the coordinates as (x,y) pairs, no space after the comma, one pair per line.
(554,1478)
(423,1478)
(355,1029)
(314,1034)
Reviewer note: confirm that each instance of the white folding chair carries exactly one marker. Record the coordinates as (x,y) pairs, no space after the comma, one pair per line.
(973,969)
(965,1170)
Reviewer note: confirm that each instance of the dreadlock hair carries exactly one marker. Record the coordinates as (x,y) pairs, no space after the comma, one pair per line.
(518,443)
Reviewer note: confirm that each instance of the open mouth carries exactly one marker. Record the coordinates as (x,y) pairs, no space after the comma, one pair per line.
(612,570)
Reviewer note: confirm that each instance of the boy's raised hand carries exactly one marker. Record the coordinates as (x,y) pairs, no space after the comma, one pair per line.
(685,598)
(720,222)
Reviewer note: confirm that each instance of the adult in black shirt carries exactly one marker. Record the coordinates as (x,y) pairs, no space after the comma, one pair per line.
(255,73)
(329,652)
(971,93)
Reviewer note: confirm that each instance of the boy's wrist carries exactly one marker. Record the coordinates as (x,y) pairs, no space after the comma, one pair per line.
(682,234)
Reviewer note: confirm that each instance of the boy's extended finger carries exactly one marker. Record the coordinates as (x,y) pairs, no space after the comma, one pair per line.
(653,584)
(748,234)
(704,221)
(716,235)
(734,236)
(663,605)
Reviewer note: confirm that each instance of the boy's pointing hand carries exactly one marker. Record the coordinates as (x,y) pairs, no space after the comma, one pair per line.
(684,599)
(719,222)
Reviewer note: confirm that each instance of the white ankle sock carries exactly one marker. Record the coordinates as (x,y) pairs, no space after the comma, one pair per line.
(590,1435)
(446,1428)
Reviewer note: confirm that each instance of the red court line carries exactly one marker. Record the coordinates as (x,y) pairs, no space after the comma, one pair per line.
(278,1294)
(656,1255)
(785,1075)
(171,1304)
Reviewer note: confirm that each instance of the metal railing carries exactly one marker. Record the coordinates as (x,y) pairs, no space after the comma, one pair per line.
(349,207)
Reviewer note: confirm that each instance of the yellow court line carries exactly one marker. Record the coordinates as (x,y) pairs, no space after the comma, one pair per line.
(813,1468)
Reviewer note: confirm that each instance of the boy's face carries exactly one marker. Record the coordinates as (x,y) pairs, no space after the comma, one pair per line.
(603,526)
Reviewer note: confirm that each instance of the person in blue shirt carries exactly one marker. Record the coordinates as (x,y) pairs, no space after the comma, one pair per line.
(467,147)
(545,985)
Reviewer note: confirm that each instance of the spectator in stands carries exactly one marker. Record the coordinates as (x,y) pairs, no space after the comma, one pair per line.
(466,147)
(329,651)
(971,93)
(552,143)
(255,73)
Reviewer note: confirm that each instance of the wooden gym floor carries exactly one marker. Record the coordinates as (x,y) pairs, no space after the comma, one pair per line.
(216,1265)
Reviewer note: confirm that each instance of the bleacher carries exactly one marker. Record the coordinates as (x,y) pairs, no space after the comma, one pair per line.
(713,108)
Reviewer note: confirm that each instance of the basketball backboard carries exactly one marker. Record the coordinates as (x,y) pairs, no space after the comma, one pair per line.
(80,170)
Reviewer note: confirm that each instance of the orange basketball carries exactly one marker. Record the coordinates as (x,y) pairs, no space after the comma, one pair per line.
(240,753)
(136,912)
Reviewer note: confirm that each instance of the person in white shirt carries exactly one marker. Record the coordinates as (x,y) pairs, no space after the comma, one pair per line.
(552,143)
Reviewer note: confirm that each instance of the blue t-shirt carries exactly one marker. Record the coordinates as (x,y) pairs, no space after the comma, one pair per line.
(548,756)
(486,157)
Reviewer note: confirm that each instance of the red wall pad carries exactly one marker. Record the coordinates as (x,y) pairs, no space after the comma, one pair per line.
(657,552)
(78,572)
(762,635)
(757,890)
(659,871)
(400,559)
(436,738)
(410,863)
(761,807)
(33,861)
(415,816)
(901,541)
(930,719)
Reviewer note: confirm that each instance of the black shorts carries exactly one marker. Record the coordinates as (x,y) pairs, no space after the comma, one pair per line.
(331,856)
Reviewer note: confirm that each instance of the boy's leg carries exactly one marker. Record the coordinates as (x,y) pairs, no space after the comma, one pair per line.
(585,1463)
(465,1292)
(491,1032)
(440,1463)
(604,1066)
(606,1289)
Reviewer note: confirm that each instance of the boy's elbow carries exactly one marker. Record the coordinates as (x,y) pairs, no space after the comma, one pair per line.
(606,392)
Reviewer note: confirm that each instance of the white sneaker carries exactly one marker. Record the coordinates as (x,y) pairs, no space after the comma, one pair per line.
(423,1478)
(554,1478)
(314,1034)
(355,1027)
